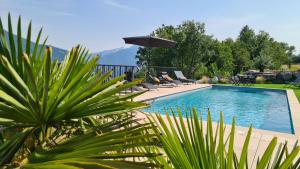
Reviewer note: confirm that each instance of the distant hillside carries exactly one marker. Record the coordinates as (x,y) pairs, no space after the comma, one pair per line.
(58,53)
(119,56)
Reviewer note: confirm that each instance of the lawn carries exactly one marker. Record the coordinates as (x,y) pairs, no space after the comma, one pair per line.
(279,86)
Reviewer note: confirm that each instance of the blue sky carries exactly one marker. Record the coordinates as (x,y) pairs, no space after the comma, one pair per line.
(100,24)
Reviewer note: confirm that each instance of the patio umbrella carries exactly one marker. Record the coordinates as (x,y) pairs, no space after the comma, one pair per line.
(150,42)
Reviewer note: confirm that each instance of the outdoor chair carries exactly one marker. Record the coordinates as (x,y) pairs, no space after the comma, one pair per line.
(182,78)
(149,86)
(235,80)
(160,82)
(166,78)
(155,80)
(138,89)
(246,79)
(296,82)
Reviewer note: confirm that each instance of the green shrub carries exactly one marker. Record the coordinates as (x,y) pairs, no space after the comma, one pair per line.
(204,80)
(200,72)
(260,80)
(224,81)
(141,73)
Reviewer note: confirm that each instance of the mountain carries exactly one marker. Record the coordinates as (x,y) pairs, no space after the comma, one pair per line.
(119,56)
(58,53)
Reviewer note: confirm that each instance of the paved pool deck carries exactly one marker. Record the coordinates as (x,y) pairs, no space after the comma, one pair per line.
(165,91)
(259,138)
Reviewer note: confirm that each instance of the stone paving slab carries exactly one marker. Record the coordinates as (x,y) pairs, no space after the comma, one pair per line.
(165,91)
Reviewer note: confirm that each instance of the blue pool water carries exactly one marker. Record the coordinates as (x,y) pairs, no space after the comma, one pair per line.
(263,108)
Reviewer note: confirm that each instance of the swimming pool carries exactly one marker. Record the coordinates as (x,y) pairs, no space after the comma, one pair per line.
(263,108)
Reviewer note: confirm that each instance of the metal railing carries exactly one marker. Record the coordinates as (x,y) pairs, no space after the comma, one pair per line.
(118,70)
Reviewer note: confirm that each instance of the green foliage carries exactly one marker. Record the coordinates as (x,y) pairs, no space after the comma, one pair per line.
(192,46)
(188,143)
(295,59)
(241,55)
(196,49)
(248,38)
(292,67)
(263,61)
(63,114)
(141,73)
(96,146)
(260,80)
(201,71)
(224,60)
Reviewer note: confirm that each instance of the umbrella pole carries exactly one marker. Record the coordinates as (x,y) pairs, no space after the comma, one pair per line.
(148,65)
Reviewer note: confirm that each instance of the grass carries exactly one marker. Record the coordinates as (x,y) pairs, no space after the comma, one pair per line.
(279,86)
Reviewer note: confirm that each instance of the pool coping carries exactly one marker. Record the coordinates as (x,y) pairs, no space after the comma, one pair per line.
(293,103)
(294,110)
(171,94)
(174,93)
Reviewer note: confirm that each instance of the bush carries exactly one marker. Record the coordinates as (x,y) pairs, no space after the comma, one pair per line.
(141,73)
(204,79)
(260,80)
(224,81)
(200,72)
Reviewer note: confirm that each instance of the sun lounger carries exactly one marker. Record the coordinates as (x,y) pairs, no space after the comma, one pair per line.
(139,89)
(161,82)
(168,79)
(149,86)
(182,78)
(154,80)
(133,89)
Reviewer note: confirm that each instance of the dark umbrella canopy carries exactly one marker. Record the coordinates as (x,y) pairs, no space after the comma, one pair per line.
(150,41)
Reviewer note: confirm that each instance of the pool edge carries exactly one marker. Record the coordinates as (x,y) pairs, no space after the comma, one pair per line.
(294,107)
(170,94)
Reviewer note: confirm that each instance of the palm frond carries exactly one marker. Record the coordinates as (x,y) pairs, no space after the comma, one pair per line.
(98,145)
(58,101)
(187,145)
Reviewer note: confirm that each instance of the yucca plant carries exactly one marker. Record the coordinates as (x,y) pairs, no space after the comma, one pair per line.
(56,115)
(188,144)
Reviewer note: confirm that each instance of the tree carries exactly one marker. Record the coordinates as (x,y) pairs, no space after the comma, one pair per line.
(241,58)
(248,38)
(224,60)
(263,61)
(193,47)
(197,53)
(277,52)
(290,53)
